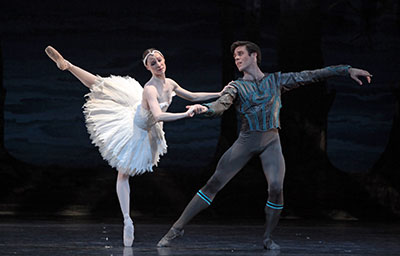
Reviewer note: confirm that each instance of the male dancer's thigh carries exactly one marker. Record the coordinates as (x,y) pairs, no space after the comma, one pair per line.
(273,163)
(231,162)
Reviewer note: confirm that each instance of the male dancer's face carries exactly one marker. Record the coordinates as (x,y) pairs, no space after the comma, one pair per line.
(242,58)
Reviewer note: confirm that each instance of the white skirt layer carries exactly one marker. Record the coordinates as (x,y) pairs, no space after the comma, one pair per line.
(126,134)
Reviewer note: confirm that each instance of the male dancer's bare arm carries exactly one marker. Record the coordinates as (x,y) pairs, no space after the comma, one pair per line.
(291,80)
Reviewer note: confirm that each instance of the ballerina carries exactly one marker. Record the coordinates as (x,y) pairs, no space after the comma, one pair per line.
(125,120)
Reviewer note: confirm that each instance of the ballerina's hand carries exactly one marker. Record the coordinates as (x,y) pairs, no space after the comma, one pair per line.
(226,88)
(198,109)
(355,73)
(191,111)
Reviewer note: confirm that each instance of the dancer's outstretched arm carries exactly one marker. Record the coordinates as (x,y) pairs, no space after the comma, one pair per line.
(85,77)
(196,96)
(291,80)
(150,100)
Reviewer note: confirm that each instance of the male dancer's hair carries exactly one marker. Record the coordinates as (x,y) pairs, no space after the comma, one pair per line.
(250,47)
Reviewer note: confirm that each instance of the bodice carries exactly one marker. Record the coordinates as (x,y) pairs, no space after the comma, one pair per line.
(144,118)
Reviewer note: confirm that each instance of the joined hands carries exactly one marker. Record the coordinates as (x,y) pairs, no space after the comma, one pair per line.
(196,109)
(190,111)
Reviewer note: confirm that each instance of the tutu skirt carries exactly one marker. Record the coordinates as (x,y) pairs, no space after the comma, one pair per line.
(126,134)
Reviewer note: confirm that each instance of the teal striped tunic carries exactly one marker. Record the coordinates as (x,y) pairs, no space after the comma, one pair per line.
(259,102)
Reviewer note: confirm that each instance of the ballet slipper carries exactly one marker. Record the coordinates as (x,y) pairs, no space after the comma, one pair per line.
(172,234)
(53,54)
(269,244)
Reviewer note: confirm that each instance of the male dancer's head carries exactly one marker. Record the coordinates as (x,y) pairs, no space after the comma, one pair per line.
(247,56)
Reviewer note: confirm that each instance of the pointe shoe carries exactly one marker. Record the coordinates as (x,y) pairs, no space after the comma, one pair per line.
(172,234)
(127,251)
(57,58)
(269,244)
(129,231)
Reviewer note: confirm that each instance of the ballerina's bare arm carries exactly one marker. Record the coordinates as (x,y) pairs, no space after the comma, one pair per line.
(196,96)
(150,100)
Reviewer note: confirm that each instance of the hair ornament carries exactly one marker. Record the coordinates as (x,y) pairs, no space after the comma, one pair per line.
(151,53)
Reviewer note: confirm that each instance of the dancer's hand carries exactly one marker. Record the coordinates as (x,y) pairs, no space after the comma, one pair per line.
(355,73)
(198,109)
(225,88)
(190,111)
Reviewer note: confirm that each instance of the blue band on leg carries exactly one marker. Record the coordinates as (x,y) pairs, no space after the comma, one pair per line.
(274,206)
(204,197)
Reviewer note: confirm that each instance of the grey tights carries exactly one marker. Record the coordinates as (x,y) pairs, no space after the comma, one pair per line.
(267,146)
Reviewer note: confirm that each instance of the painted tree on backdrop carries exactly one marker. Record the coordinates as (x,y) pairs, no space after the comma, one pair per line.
(228,16)
(383,181)
(24,188)
(386,170)
(304,115)
(13,173)
(2,100)
(228,131)
(304,122)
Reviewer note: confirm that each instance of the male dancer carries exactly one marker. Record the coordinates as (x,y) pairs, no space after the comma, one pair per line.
(257,98)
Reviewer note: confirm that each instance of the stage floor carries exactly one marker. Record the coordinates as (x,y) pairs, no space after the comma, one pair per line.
(61,238)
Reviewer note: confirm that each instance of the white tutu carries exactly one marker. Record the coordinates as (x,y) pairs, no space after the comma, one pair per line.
(127,135)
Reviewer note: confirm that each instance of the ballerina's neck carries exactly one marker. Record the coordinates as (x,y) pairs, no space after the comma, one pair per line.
(160,78)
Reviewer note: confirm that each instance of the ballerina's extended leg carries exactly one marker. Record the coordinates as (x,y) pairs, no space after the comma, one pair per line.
(85,77)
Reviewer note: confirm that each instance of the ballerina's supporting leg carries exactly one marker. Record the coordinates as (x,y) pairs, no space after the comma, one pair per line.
(85,77)
(123,192)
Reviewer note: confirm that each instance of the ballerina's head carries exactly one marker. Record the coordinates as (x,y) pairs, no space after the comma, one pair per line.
(154,61)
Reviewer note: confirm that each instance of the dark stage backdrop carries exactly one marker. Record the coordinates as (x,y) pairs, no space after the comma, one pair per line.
(43,120)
